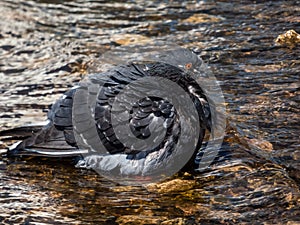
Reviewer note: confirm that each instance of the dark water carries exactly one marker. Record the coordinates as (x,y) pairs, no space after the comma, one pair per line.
(47,46)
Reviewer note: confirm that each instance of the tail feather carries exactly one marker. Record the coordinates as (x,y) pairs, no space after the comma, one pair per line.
(46,141)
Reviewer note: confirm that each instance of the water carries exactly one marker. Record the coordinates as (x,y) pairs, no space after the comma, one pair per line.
(47,46)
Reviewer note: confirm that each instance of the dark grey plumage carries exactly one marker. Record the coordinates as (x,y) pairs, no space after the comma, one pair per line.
(57,138)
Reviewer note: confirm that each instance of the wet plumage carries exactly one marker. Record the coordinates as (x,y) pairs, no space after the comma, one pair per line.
(57,138)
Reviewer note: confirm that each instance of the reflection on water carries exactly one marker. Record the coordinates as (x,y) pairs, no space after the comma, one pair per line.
(47,46)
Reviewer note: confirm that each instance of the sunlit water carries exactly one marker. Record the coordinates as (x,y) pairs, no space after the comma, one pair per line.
(48,46)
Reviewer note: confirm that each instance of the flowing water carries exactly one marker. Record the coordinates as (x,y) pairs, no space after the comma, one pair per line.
(48,46)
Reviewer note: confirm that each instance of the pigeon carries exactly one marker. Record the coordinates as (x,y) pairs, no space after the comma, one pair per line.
(117,121)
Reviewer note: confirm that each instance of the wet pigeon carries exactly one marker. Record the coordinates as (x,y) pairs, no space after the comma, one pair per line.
(80,123)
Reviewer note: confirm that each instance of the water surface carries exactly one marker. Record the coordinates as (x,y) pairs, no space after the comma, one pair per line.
(48,46)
